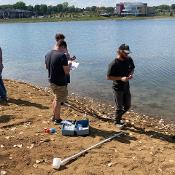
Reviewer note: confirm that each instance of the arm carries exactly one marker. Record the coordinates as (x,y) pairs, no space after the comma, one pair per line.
(66,66)
(113,78)
(67,69)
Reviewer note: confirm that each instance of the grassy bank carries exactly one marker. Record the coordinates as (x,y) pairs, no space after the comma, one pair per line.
(81,18)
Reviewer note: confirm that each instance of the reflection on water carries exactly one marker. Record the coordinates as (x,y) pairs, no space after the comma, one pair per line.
(94,43)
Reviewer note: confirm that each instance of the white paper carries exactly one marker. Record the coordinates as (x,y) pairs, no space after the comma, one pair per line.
(74,65)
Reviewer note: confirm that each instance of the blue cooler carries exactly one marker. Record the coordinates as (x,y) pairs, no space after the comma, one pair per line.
(79,127)
(82,127)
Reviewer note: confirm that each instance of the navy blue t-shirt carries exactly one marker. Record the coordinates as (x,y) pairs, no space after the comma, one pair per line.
(55,61)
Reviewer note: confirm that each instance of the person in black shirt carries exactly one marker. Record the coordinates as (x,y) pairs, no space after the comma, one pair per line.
(3,91)
(57,65)
(120,71)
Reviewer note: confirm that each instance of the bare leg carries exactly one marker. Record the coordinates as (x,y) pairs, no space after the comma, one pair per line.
(56,109)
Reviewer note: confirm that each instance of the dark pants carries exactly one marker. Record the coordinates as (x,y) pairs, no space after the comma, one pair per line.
(122,102)
(3,92)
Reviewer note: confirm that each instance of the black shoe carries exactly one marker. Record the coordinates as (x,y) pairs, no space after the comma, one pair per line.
(119,123)
(57,121)
(4,99)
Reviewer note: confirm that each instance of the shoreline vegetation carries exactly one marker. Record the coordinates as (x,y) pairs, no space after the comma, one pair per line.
(20,12)
(146,148)
(83,18)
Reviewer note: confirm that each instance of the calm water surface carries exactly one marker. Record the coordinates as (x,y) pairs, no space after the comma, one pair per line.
(94,43)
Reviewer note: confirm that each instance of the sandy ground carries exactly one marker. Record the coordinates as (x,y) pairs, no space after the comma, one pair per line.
(147,148)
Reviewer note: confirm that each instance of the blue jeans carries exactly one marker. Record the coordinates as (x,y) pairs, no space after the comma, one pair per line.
(3,92)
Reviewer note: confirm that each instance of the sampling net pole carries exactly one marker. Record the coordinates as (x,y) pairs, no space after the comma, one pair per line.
(66,160)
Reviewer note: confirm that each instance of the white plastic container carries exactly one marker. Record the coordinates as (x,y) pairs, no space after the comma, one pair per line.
(56,163)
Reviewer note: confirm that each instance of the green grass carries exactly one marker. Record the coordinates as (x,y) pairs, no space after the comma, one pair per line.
(79,18)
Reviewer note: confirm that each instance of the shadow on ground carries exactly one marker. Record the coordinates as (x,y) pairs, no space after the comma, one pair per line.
(5,118)
(150,133)
(123,138)
(26,103)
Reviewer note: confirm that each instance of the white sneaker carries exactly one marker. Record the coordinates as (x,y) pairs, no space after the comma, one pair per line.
(120,126)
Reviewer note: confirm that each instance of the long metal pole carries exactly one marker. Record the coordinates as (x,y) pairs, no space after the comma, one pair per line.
(66,160)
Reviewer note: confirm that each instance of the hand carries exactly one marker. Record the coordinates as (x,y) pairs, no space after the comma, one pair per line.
(70,64)
(130,76)
(73,58)
(125,79)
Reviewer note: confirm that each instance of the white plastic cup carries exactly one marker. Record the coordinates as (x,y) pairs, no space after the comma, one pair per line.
(56,163)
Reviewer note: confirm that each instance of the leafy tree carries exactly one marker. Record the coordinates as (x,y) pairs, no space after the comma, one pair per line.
(110,9)
(173,7)
(37,9)
(43,9)
(163,8)
(71,9)
(30,8)
(65,6)
(59,8)
(20,5)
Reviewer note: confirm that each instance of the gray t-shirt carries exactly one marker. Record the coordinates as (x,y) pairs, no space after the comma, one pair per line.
(55,61)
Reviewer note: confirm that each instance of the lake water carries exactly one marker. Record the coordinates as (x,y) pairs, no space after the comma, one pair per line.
(94,43)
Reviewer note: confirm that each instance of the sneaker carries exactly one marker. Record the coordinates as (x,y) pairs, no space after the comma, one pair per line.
(119,123)
(120,126)
(57,121)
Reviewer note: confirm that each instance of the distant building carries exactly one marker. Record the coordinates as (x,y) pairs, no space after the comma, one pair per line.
(133,9)
(15,13)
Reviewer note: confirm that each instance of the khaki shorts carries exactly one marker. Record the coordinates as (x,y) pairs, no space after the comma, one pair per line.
(60,92)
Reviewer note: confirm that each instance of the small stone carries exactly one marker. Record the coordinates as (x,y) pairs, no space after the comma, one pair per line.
(13,129)
(148,159)
(35,165)
(31,146)
(171,161)
(19,146)
(3,172)
(38,161)
(109,164)
(7,137)
(2,146)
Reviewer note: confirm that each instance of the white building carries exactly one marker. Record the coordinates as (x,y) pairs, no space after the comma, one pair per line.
(132,8)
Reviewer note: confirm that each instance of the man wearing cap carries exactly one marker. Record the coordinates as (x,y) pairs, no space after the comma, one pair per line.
(120,71)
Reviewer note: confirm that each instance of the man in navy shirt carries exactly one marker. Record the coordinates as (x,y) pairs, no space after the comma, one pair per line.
(57,65)
(120,71)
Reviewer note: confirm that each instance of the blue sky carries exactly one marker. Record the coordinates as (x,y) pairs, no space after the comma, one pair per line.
(85,3)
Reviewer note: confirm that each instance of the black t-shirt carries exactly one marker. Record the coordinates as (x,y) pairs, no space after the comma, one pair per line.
(55,61)
(120,68)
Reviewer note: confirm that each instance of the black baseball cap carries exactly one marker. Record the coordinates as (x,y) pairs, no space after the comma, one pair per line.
(125,48)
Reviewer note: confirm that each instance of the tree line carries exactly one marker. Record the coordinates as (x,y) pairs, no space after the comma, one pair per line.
(44,9)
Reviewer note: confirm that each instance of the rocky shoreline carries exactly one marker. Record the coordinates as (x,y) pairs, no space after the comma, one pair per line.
(26,149)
